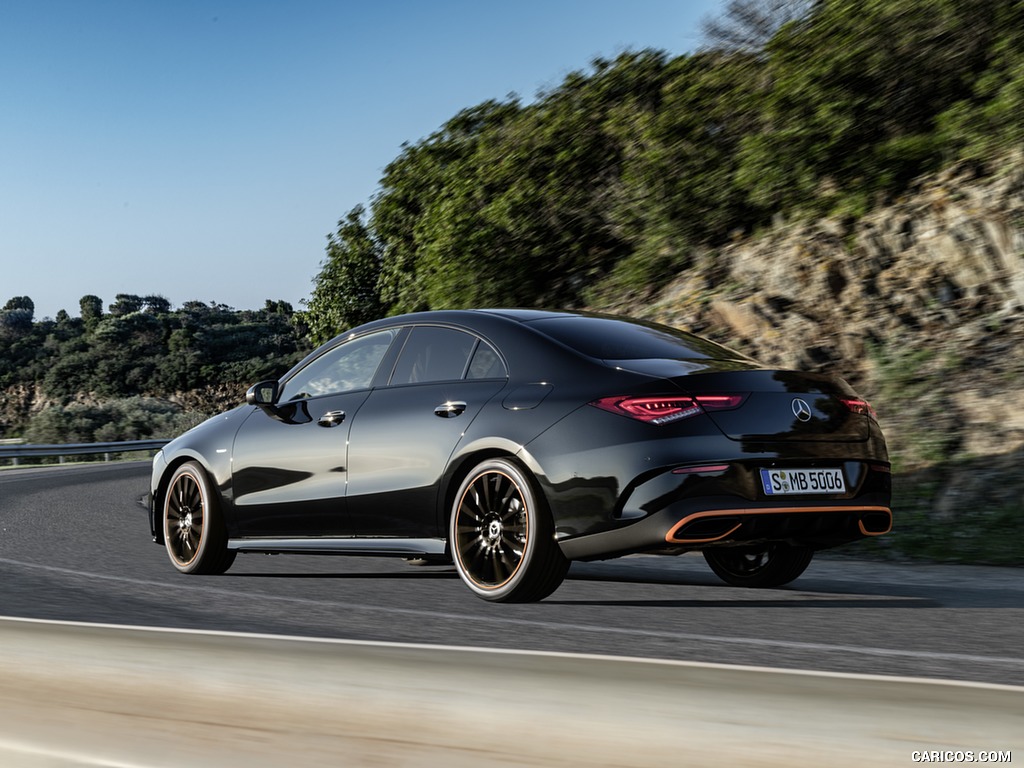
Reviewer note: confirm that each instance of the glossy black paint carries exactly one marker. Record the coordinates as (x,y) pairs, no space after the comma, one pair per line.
(375,469)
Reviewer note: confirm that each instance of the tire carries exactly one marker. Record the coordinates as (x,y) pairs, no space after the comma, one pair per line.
(770,565)
(501,536)
(194,532)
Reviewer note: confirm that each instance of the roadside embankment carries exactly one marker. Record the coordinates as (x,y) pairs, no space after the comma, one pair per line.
(77,695)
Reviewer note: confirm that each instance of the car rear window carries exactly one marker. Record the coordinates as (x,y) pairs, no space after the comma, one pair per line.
(611,339)
(433,354)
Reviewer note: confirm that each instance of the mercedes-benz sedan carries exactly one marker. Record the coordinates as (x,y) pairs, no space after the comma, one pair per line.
(511,442)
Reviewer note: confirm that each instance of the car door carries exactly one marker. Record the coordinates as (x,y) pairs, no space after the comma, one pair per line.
(289,461)
(406,432)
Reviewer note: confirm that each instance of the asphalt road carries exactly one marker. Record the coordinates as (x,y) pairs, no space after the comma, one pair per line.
(74,545)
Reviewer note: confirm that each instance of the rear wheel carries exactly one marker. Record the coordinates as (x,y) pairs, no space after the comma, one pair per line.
(194,531)
(770,565)
(502,537)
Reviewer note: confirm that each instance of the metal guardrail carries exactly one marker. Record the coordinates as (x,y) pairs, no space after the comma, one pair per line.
(61,450)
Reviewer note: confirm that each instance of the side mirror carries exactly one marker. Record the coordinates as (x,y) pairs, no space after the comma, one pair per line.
(263,394)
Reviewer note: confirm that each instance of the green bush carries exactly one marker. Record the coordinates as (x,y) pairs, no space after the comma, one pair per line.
(133,418)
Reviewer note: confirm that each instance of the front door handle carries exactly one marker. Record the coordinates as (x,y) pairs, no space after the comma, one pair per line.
(331,419)
(450,409)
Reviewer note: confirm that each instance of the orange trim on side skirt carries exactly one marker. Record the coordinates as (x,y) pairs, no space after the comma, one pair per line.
(671,539)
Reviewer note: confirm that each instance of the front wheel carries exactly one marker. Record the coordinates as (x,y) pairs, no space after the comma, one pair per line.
(194,532)
(767,565)
(502,537)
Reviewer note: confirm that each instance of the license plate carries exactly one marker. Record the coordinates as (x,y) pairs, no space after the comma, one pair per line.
(786,482)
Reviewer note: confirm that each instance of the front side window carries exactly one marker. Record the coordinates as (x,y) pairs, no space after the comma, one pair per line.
(348,367)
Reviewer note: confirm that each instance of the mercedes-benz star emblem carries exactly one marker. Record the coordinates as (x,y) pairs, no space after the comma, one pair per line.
(801,409)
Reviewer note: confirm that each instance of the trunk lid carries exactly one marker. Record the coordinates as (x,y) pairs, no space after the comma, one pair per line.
(777,405)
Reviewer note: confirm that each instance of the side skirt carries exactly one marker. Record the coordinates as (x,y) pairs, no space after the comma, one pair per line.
(340,546)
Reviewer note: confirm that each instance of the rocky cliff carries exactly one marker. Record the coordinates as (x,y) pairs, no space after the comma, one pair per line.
(920,305)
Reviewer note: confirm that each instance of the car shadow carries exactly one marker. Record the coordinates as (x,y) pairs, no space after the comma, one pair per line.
(807,592)
(345,576)
(818,589)
(768,602)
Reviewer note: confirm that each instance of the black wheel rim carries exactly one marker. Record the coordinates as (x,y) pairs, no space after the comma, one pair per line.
(491,529)
(186,513)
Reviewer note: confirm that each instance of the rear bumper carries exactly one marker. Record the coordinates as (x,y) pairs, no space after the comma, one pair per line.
(673,531)
(616,485)
(723,505)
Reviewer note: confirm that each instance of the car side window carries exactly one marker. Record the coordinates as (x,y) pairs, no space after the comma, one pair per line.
(486,364)
(433,354)
(348,367)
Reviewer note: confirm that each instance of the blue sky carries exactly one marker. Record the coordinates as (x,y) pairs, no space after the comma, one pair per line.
(204,150)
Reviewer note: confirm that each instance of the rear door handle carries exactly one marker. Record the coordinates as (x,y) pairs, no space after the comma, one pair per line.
(450,409)
(331,419)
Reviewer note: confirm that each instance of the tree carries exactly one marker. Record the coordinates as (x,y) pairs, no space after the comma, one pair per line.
(91,309)
(678,186)
(746,26)
(604,186)
(156,305)
(15,321)
(507,205)
(346,291)
(21,302)
(279,307)
(987,123)
(17,316)
(125,304)
(854,93)
(415,199)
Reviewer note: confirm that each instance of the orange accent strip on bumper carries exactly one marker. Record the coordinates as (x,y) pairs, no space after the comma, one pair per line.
(671,539)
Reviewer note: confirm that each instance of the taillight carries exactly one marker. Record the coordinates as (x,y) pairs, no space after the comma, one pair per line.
(666,408)
(654,410)
(856,405)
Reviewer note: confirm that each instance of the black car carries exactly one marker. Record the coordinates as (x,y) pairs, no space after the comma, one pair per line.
(511,442)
